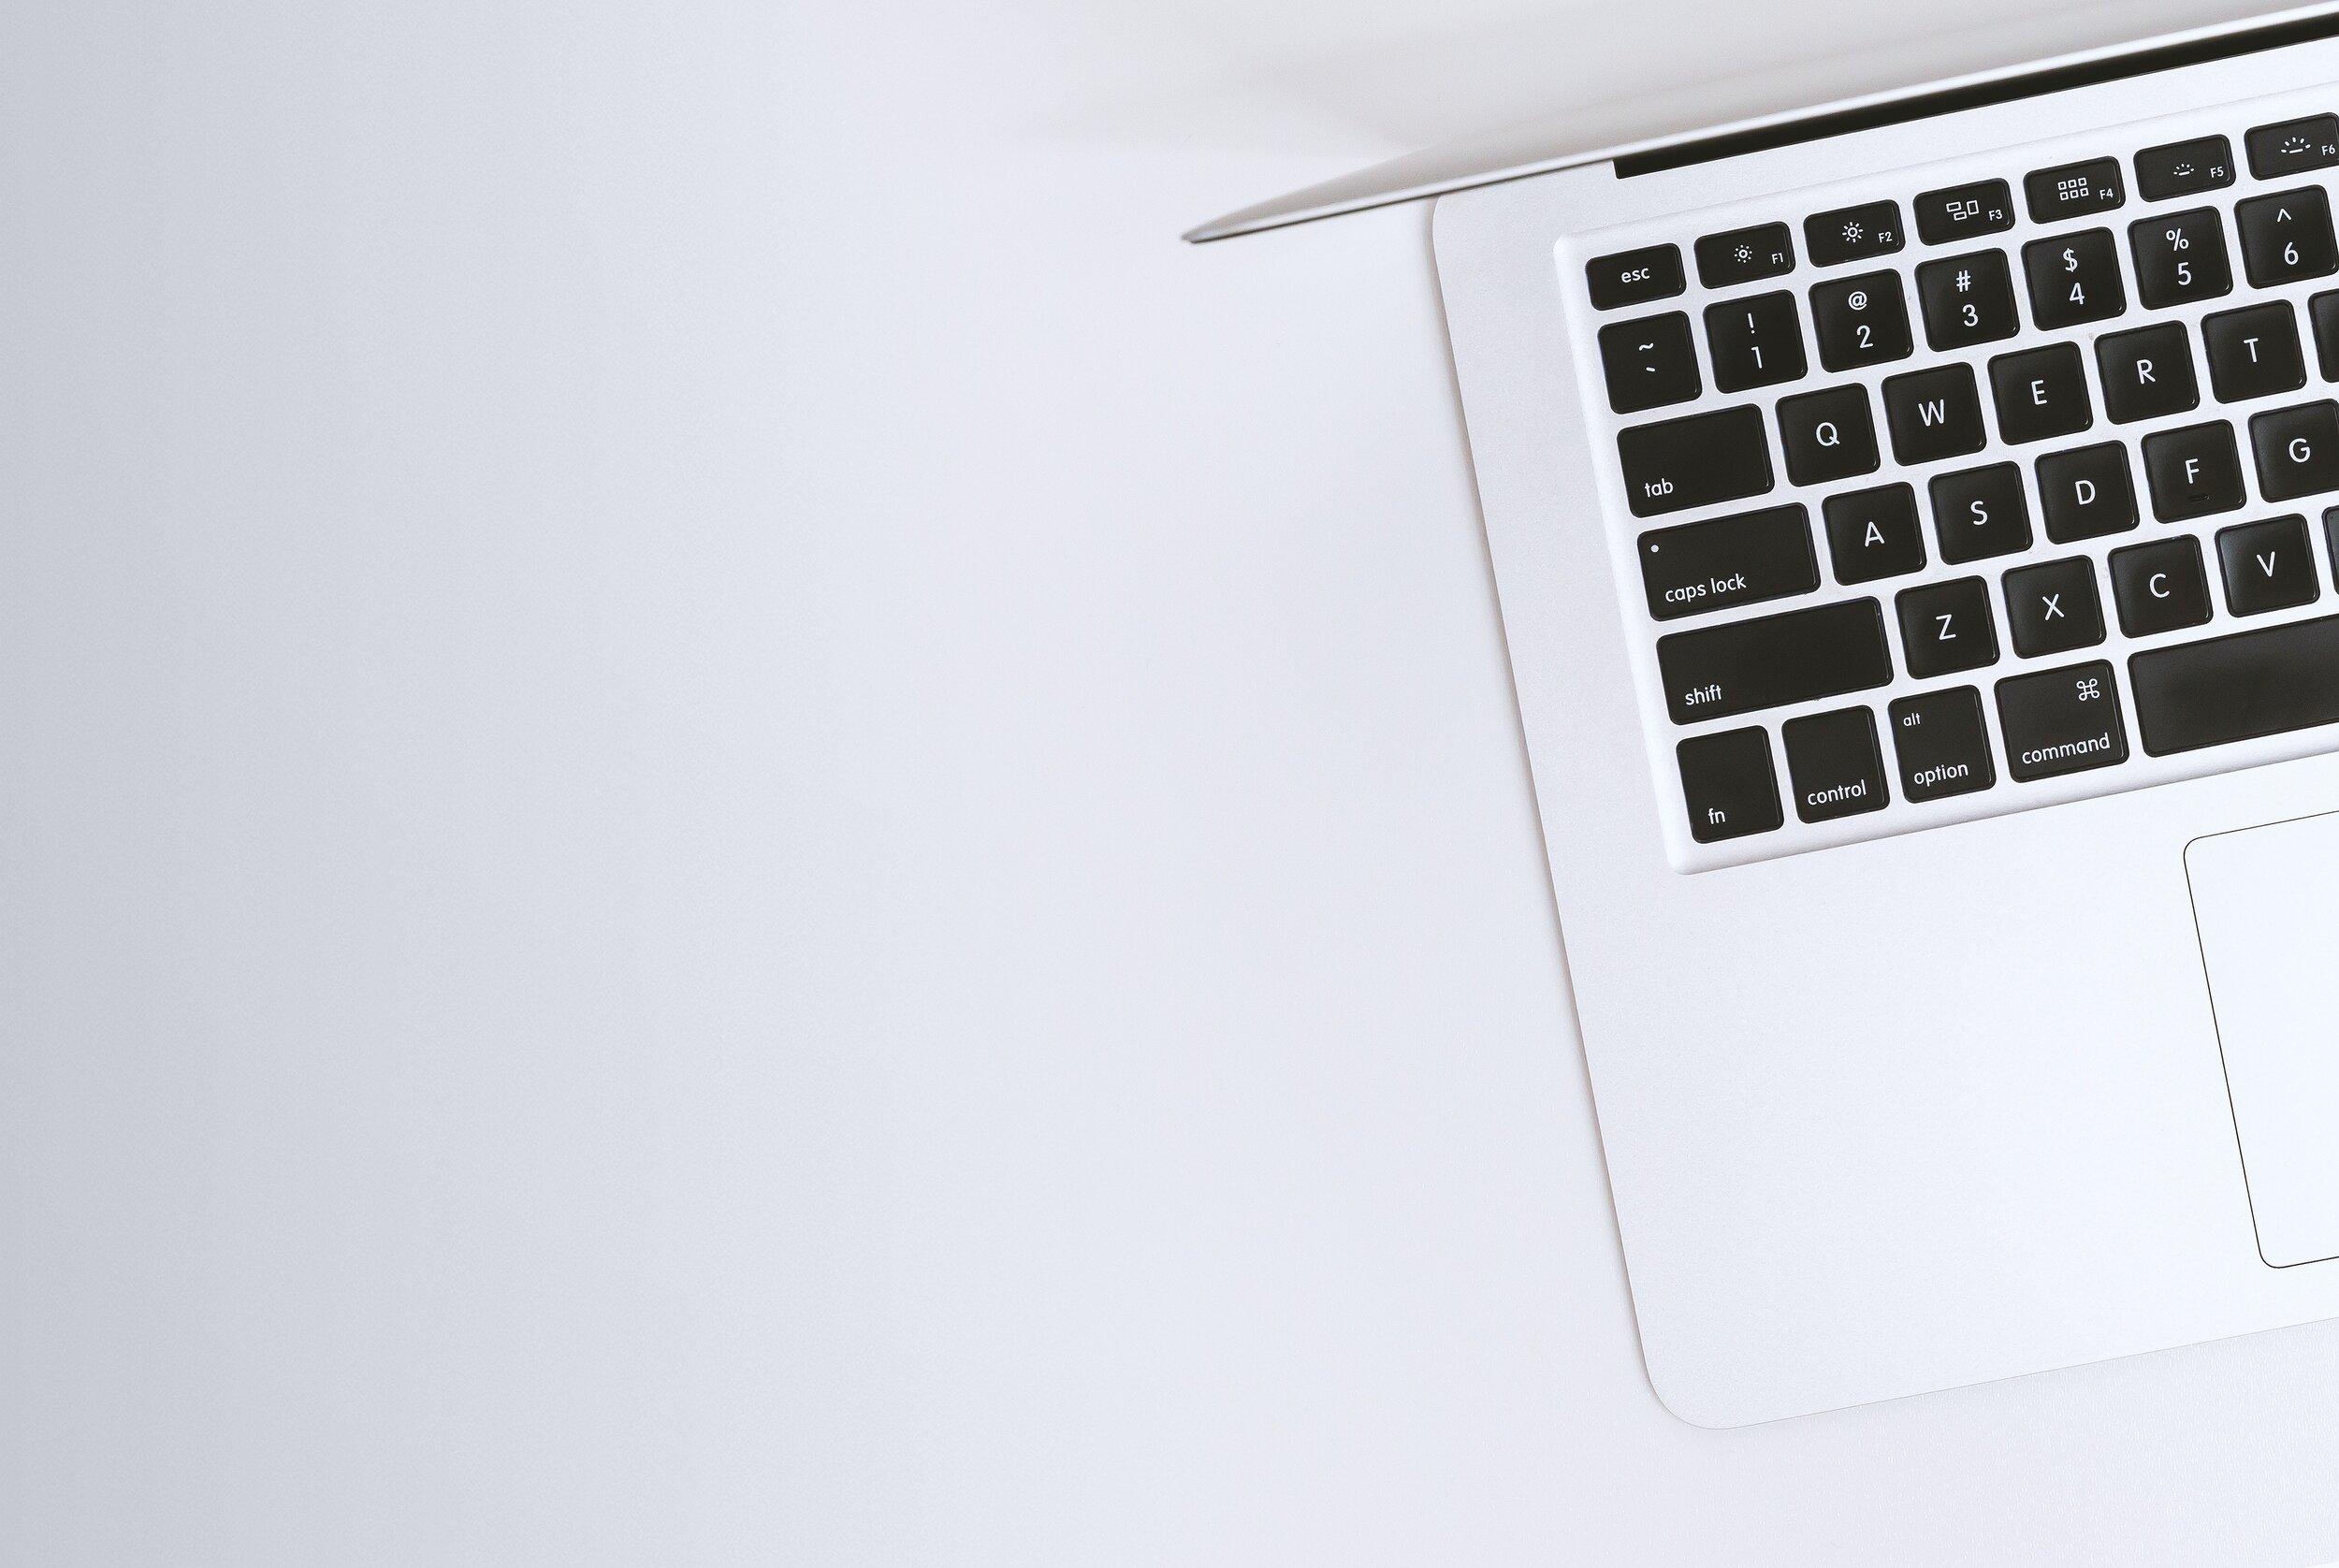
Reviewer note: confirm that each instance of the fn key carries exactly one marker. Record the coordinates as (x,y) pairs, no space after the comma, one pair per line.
(1729,785)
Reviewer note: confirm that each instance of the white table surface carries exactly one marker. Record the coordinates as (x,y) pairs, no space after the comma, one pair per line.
(742,831)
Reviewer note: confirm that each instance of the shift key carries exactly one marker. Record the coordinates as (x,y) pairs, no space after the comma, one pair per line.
(1696,460)
(1765,661)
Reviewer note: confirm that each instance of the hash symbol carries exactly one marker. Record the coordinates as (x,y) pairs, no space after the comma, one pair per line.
(1964,281)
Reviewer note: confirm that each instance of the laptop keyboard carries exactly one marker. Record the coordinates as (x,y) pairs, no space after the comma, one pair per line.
(2041,453)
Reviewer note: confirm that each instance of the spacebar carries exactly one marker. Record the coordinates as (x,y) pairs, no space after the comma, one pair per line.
(2237,688)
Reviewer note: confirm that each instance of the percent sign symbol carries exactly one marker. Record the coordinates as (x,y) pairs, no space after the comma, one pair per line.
(2180,240)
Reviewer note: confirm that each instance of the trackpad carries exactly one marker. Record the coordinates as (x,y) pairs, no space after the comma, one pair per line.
(2267,903)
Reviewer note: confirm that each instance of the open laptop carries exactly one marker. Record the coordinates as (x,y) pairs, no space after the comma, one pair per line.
(1915,522)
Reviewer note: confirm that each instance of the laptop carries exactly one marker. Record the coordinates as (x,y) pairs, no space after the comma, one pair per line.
(1915,522)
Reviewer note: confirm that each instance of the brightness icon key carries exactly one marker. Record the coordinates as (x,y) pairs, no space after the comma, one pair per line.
(1852,233)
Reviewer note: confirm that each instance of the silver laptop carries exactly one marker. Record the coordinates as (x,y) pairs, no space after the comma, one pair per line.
(1915,524)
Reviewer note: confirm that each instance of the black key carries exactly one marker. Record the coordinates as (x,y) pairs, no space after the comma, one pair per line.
(2294,146)
(2267,566)
(1695,460)
(1942,745)
(2184,167)
(1874,533)
(2288,237)
(1635,277)
(2146,373)
(1964,211)
(1852,233)
(2053,607)
(2265,682)
(1755,342)
(1933,414)
(1832,764)
(2061,721)
(2086,493)
(1649,362)
(1694,567)
(2297,450)
(1728,785)
(2159,587)
(2180,257)
(2323,311)
(1946,627)
(1979,513)
(1968,300)
(2253,352)
(1743,254)
(1828,435)
(2193,471)
(2073,279)
(2040,393)
(1860,321)
(1768,661)
(2073,190)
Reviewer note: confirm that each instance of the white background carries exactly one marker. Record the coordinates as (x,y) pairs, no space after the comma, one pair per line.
(737,829)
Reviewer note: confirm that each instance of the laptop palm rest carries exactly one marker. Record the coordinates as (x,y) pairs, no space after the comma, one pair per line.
(2263,899)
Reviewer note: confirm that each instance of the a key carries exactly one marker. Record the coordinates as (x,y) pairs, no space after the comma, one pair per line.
(2040,393)
(1941,744)
(1743,255)
(1852,233)
(1933,414)
(2323,311)
(2073,190)
(2297,450)
(2287,237)
(2146,373)
(1979,513)
(2253,352)
(1874,533)
(2180,257)
(2074,278)
(2060,722)
(1649,362)
(1967,299)
(1964,211)
(2267,566)
(2267,681)
(1827,436)
(2294,146)
(1832,764)
(2159,587)
(2193,471)
(1728,785)
(1770,661)
(2184,167)
(1635,277)
(1860,321)
(2053,607)
(1698,459)
(2086,493)
(1718,564)
(1755,342)
(1946,627)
